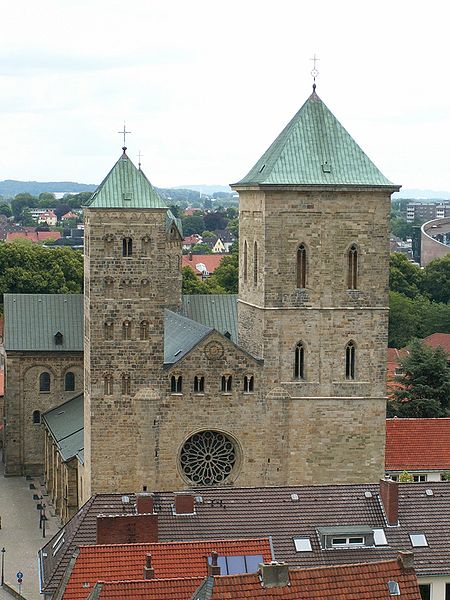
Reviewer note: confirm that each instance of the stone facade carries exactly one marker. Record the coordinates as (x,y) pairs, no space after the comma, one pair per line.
(24,434)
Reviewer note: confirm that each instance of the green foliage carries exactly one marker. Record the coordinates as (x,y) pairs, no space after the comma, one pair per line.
(26,268)
(425,383)
(26,219)
(5,209)
(436,279)
(401,228)
(405,477)
(226,276)
(208,234)
(193,224)
(215,220)
(192,284)
(404,276)
(201,249)
(21,202)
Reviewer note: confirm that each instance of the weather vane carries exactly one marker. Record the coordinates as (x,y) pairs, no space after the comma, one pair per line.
(124,133)
(314,71)
(139,159)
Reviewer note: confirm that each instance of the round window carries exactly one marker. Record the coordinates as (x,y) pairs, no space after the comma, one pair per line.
(208,457)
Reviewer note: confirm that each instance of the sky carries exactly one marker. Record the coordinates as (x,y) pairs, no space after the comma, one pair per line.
(205,86)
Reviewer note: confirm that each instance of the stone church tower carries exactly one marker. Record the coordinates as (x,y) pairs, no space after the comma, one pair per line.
(132,274)
(313,293)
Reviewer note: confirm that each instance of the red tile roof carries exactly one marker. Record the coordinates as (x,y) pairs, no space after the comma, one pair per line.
(34,236)
(439,339)
(172,559)
(151,589)
(417,444)
(211,261)
(366,581)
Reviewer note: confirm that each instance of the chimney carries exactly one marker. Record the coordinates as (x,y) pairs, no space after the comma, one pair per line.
(405,559)
(144,503)
(213,567)
(274,574)
(190,255)
(127,529)
(184,504)
(149,571)
(389,498)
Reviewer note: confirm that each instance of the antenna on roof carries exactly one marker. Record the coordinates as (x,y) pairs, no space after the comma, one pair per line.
(124,133)
(314,72)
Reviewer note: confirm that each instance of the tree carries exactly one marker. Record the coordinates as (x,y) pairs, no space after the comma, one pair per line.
(201,249)
(47,200)
(404,276)
(21,201)
(26,268)
(5,209)
(424,389)
(401,228)
(226,276)
(436,279)
(216,220)
(192,284)
(193,224)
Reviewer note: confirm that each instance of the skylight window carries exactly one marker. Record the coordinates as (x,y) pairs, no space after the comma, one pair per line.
(302,544)
(394,589)
(418,540)
(379,537)
(235,565)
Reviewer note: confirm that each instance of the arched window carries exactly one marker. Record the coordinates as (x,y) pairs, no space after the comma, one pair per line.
(125,384)
(248,383)
(301,266)
(176,384)
(299,361)
(144,330)
(44,382)
(108,329)
(352,268)
(350,360)
(36,417)
(255,263)
(108,385)
(245,261)
(199,384)
(226,383)
(126,330)
(127,246)
(69,381)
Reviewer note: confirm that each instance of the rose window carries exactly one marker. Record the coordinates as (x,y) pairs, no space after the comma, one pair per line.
(207,457)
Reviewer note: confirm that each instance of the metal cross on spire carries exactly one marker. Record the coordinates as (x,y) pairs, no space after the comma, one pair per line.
(124,133)
(139,159)
(314,71)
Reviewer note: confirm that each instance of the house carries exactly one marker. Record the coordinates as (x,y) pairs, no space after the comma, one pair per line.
(191,240)
(368,581)
(33,235)
(152,560)
(48,217)
(309,526)
(69,215)
(419,446)
(203,265)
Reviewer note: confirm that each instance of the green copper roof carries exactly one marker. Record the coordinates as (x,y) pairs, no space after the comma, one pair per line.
(315,149)
(125,187)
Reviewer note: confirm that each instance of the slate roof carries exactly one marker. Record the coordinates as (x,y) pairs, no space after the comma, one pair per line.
(116,562)
(31,321)
(65,423)
(151,589)
(274,512)
(417,444)
(315,149)
(181,335)
(214,310)
(367,581)
(122,182)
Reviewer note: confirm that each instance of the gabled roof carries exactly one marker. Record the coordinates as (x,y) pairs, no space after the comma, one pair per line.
(150,589)
(436,340)
(417,444)
(367,581)
(65,423)
(315,149)
(211,262)
(218,311)
(125,187)
(32,320)
(181,335)
(116,562)
(284,513)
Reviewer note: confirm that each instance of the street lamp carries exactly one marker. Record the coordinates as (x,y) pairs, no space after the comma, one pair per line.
(3,565)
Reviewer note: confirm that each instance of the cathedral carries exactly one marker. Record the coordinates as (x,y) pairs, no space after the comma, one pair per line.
(135,387)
